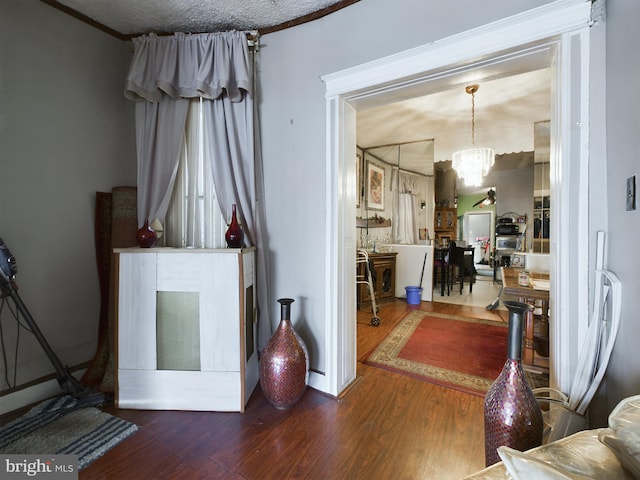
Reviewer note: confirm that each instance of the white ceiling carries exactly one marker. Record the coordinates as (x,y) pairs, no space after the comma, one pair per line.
(136,17)
(506,110)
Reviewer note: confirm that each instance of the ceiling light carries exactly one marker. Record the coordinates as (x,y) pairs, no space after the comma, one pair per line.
(473,163)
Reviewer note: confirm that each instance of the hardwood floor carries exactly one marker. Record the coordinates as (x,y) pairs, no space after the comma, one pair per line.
(386,426)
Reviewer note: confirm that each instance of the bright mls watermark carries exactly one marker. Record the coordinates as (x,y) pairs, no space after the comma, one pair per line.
(51,467)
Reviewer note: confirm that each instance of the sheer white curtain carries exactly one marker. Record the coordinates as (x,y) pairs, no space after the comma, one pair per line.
(405,225)
(165,73)
(194,218)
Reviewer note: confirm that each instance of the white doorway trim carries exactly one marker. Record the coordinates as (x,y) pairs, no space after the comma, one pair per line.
(557,32)
(492,225)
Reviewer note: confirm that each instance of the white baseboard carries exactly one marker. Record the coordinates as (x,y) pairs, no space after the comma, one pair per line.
(317,381)
(33,394)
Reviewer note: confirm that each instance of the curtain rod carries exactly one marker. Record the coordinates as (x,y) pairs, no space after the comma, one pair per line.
(253,39)
(252,35)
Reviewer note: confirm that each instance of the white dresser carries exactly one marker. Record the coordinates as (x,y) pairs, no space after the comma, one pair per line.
(185,329)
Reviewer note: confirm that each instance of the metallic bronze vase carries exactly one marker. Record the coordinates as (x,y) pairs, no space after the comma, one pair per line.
(512,416)
(284,363)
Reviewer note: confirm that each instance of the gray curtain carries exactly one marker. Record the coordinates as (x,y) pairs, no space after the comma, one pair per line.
(167,71)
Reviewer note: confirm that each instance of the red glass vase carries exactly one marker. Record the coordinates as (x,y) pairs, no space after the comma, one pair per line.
(146,236)
(284,363)
(512,416)
(233,236)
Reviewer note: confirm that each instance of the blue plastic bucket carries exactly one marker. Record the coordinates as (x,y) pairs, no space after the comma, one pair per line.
(414,295)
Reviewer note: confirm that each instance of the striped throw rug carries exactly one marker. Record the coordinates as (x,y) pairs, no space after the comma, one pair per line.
(62,425)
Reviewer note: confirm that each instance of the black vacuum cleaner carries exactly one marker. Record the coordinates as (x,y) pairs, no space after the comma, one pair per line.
(9,289)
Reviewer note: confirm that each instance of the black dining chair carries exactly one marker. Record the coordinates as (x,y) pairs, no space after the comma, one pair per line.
(461,265)
(442,267)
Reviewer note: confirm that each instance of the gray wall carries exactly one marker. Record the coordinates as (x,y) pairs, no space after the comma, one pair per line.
(623,145)
(293,129)
(66,131)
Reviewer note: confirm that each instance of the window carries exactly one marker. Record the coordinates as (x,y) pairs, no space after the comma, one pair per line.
(193,217)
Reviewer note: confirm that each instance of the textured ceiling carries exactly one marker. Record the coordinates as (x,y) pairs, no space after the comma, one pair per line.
(135,17)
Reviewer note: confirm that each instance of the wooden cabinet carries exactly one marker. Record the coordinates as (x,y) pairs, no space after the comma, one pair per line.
(383,271)
(185,330)
(445,221)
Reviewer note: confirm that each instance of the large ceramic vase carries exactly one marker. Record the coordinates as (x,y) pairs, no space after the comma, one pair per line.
(512,416)
(146,236)
(233,235)
(284,363)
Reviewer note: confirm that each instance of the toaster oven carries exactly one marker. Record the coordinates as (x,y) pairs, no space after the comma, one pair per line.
(506,242)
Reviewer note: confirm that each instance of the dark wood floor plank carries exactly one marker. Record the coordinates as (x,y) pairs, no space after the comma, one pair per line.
(387,425)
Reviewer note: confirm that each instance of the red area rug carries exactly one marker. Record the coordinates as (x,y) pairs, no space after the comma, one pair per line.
(463,353)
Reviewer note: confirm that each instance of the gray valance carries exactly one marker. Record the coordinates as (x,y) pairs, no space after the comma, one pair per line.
(204,65)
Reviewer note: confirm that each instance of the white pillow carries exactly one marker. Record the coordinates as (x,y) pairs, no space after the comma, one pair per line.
(578,456)
(522,466)
(623,434)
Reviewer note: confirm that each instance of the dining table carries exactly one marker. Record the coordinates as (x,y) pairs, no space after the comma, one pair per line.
(535,292)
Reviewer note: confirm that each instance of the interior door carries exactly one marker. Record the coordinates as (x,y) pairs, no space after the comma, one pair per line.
(479,225)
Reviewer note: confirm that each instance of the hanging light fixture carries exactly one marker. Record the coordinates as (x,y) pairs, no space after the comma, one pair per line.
(473,163)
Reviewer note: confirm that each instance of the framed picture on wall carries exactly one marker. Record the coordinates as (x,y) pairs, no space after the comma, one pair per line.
(375,187)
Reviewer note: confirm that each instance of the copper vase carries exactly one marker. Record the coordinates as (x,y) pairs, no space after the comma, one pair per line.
(284,363)
(512,416)
(233,235)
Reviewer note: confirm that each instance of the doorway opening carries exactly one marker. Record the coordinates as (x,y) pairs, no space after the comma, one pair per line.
(492,51)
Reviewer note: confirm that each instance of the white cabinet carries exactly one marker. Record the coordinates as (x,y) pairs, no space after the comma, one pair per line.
(185,329)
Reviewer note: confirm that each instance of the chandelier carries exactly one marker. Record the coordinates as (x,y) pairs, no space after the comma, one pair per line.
(473,163)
